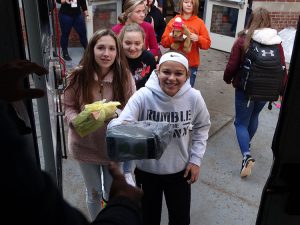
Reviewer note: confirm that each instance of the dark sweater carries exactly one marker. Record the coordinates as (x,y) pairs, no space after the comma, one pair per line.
(159,22)
(142,67)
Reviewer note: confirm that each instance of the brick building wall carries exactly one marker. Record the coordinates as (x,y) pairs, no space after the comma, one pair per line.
(220,22)
(284,13)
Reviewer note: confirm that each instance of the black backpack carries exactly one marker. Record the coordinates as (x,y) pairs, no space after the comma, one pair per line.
(262,72)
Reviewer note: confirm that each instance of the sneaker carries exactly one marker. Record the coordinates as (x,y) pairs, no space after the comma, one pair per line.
(247,165)
(129,179)
(67,57)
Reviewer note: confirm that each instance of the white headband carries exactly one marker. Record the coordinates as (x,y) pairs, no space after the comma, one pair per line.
(176,57)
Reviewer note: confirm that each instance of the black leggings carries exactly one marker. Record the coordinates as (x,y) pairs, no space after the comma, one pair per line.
(177,195)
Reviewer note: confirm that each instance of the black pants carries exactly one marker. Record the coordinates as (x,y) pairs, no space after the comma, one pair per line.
(177,195)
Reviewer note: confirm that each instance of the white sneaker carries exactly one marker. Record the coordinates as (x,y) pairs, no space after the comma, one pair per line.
(129,179)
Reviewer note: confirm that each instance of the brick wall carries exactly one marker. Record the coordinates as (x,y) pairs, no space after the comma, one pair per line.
(220,21)
(281,20)
(284,13)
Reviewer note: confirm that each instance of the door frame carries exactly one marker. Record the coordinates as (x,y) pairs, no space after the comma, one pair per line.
(91,3)
(220,41)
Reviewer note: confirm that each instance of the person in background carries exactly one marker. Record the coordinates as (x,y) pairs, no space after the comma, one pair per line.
(39,201)
(155,16)
(103,73)
(141,62)
(198,34)
(134,12)
(161,5)
(168,93)
(70,15)
(176,6)
(148,18)
(246,116)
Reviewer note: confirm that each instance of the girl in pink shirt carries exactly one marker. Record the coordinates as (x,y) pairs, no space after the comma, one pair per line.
(134,12)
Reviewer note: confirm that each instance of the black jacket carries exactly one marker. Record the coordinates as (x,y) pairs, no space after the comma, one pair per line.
(159,22)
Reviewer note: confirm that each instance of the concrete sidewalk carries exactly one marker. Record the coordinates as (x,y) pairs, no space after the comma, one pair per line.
(220,196)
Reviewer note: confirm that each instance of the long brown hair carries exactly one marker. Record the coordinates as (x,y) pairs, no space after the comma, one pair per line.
(82,79)
(260,18)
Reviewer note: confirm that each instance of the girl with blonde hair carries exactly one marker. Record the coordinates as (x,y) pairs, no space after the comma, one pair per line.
(141,62)
(134,12)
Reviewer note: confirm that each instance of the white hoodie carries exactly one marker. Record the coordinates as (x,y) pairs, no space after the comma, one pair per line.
(266,36)
(184,109)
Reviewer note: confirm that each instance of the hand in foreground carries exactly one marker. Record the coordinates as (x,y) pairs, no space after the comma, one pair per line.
(194,37)
(12,75)
(192,172)
(120,187)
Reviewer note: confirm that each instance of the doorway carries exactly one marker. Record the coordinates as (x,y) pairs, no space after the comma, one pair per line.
(104,14)
(224,19)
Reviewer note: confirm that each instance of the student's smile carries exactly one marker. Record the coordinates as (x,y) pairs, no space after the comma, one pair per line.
(133,44)
(172,76)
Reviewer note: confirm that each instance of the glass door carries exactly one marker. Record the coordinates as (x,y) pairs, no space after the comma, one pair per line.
(104,14)
(224,19)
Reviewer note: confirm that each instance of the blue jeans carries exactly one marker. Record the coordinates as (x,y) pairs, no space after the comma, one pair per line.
(193,71)
(246,119)
(66,24)
(97,181)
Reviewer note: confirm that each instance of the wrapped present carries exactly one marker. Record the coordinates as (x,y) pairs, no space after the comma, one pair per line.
(93,116)
(138,140)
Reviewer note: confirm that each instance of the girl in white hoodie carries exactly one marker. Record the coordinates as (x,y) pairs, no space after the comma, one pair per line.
(168,96)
